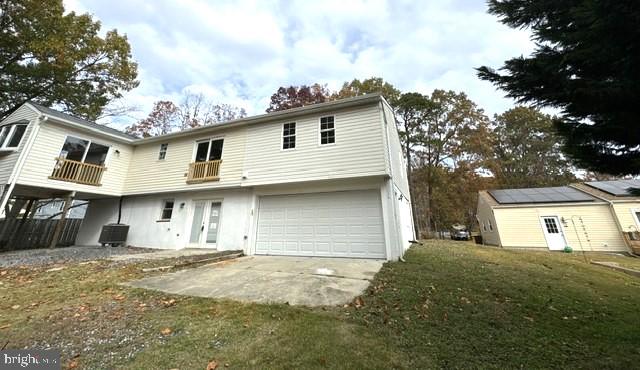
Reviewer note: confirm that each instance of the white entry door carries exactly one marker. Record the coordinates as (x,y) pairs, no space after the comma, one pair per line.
(553,233)
(205,224)
(336,224)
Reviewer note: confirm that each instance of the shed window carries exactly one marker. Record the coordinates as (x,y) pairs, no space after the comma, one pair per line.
(167,209)
(163,151)
(289,135)
(490,225)
(11,135)
(327,130)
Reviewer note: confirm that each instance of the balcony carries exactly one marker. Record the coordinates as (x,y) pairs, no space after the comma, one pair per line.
(78,172)
(204,171)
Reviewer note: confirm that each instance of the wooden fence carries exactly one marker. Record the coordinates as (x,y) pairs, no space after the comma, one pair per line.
(37,233)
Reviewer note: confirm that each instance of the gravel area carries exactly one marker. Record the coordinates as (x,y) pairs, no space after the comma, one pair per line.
(45,256)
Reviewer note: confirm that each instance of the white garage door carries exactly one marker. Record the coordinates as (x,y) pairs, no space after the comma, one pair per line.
(338,224)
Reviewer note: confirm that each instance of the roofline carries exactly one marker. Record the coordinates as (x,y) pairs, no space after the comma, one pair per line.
(67,122)
(273,116)
(614,198)
(313,108)
(558,204)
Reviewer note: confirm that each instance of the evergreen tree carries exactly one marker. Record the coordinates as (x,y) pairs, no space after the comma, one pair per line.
(586,64)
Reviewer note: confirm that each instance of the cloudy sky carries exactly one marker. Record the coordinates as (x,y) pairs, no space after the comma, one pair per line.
(240,52)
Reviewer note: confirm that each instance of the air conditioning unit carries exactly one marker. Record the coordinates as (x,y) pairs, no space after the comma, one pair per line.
(114,235)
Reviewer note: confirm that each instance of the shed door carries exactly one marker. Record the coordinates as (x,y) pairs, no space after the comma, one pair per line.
(336,224)
(553,233)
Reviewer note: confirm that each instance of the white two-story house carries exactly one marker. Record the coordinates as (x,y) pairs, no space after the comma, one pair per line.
(322,180)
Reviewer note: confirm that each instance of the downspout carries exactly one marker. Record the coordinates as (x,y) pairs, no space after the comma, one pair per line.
(18,167)
(393,200)
(120,209)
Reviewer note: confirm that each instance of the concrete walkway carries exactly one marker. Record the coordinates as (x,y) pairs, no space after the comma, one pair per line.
(157,254)
(310,281)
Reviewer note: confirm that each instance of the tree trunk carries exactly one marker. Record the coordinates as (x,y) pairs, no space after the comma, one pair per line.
(428,202)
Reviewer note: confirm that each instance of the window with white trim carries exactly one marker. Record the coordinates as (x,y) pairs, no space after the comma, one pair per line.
(636,214)
(327,130)
(11,135)
(167,209)
(209,150)
(289,136)
(490,225)
(85,151)
(163,151)
(484,226)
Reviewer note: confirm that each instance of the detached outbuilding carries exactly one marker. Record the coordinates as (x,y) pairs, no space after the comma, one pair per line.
(591,216)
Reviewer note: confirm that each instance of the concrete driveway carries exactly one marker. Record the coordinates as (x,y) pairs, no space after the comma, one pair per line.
(309,281)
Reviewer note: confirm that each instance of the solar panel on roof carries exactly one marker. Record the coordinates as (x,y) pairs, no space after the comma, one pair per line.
(561,194)
(619,188)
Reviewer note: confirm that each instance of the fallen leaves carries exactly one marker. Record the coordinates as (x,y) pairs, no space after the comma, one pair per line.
(169,302)
(166,331)
(212,365)
(119,297)
(358,302)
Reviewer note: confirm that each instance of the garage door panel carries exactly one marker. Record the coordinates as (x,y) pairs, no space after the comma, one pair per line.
(344,224)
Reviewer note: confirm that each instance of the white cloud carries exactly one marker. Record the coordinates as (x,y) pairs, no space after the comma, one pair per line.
(240,52)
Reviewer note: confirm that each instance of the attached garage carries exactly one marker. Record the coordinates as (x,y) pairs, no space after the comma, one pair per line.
(334,224)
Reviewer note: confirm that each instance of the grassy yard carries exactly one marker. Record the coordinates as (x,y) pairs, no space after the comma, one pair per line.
(451,305)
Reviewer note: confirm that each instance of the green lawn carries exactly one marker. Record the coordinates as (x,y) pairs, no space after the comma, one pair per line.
(451,305)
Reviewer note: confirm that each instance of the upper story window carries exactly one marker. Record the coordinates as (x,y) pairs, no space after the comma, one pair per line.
(85,151)
(163,151)
(289,135)
(11,135)
(209,150)
(327,130)
(80,161)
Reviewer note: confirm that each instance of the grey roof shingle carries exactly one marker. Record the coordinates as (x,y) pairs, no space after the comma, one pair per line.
(56,114)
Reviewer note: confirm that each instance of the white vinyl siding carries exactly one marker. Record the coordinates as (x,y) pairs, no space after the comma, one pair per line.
(585,227)
(358,151)
(396,153)
(148,175)
(626,218)
(8,160)
(46,148)
(485,217)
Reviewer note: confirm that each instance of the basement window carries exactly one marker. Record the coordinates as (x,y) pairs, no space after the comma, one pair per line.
(167,210)
(163,151)
(327,130)
(289,136)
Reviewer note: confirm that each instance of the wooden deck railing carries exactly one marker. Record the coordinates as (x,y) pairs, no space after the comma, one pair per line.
(204,171)
(78,172)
